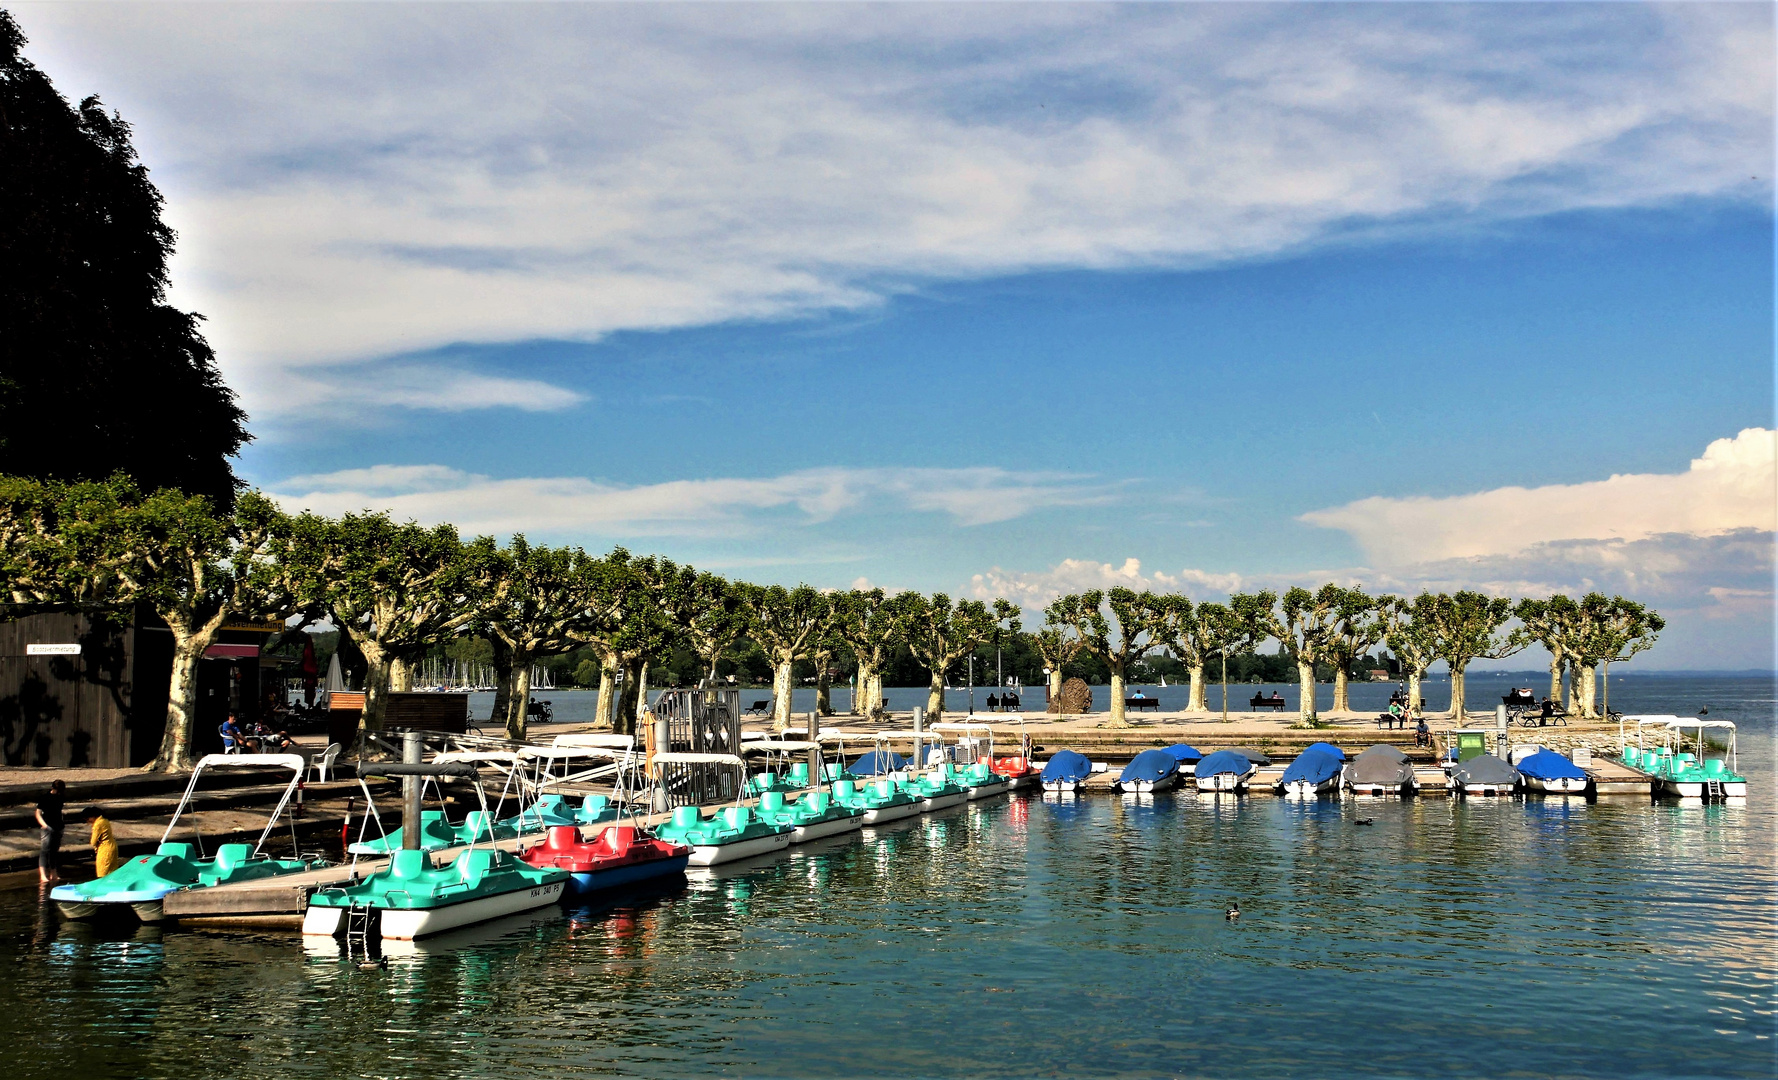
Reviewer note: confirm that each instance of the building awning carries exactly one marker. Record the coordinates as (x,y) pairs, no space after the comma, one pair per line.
(231,652)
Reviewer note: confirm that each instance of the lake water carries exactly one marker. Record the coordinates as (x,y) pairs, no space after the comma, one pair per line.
(1532,937)
(1483,692)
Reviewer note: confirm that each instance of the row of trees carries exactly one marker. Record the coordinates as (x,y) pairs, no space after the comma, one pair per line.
(1335,625)
(394,591)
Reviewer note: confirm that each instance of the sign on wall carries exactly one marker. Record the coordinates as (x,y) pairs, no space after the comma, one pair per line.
(71,649)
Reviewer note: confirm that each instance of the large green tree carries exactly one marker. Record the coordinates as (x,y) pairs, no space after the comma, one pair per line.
(1467,626)
(1410,631)
(97,373)
(940,632)
(786,623)
(1140,622)
(1358,625)
(1551,623)
(1305,625)
(865,623)
(1231,629)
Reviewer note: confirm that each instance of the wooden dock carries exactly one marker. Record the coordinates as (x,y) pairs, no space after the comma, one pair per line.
(1615,778)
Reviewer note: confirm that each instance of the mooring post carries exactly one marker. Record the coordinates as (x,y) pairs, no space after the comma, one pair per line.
(662,731)
(1500,750)
(919,715)
(410,793)
(815,751)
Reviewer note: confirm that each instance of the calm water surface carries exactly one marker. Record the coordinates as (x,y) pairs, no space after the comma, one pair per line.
(1027,938)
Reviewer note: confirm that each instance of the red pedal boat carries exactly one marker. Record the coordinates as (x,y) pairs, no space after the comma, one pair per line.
(619,855)
(1016,769)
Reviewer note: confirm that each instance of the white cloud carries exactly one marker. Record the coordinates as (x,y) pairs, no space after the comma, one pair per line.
(1733,486)
(354,183)
(576,505)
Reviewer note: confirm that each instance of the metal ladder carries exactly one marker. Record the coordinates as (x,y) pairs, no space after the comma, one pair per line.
(1713,789)
(364,932)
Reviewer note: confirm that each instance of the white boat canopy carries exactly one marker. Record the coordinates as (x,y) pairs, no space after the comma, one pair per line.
(776,744)
(961,727)
(297,765)
(699,759)
(285,761)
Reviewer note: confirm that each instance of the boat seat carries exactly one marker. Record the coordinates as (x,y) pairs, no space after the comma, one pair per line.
(176,850)
(552,805)
(1714,767)
(232,857)
(738,817)
(886,788)
(799,773)
(818,802)
(409,864)
(476,826)
(473,864)
(844,789)
(686,817)
(771,801)
(616,839)
(592,806)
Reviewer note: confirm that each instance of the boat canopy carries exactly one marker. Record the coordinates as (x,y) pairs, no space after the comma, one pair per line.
(1067,765)
(492,757)
(1485,769)
(1225,761)
(422,768)
(280,761)
(1250,754)
(1380,765)
(1185,754)
(1313,766)
(698,759)
(1549,765)
(1150,765)
(786,745)
(877,763)
(960,727)
(1327,747)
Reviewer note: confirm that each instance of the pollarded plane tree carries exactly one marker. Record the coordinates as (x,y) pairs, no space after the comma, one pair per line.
(1409,632)
(1466,626)
(864,621)
(392,589)
(939,633)
(1140,623)
(1305,625)
(1058,645)
(103,544)
(651,625)
(536,610)
(785,623)
(1607,630)
(1191,643)
(1358,626)
(1551,623)
(713,620)
(1239,626)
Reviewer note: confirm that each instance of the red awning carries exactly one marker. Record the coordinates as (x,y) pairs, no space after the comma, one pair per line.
(231,652)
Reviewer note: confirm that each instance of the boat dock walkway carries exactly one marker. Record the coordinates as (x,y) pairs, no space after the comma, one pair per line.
(1615,778)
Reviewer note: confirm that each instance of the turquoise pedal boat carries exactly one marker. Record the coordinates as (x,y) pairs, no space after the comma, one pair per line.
(936,790)
(881,800)
(140,885)
(734,833)
(436,833)
(815,815)
(411,898)
(982,782)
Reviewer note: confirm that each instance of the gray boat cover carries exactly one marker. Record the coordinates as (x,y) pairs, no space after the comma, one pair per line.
(1251,754)
(1380,765)
(1486,769)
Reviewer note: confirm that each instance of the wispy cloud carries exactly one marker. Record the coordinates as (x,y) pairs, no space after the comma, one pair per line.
(574,506)
(368,182)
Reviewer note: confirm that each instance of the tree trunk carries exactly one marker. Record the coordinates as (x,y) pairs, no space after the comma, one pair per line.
(182,705)
(1605,688)
(1341,702)
(634,668)
(1457,697)
(823,688)
(1556,678)
(1195,699)
(1415,701)
(935,696)
(502,682)
(376,693)
(1582,690)
(401,675)
(877,709)
(1119,715)
(518,712)
(1055,684)
(710,679)
(1305,681)
(605,715)
(862,704)
(781,687)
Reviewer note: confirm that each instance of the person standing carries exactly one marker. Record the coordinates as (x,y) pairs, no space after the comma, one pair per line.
(105,854)
(49,821)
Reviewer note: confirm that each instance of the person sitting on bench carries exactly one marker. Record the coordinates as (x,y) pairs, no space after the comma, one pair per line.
(993,703)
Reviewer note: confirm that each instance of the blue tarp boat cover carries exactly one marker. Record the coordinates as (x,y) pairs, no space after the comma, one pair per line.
(1486,769)
(1225,761)
(1067,765)
(1150,765)
(1312,765)
(1185,755)
(1327,746)
(1250,754)
(877,763)
(1549,765)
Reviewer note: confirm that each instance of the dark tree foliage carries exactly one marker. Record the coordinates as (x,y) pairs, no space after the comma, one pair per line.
(97,373)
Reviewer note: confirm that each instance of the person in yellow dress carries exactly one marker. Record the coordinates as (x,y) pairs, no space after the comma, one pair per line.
(105,856)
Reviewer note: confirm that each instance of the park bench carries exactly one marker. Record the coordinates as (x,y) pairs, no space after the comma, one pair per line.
(1257,702)
(760,707)
(1142,701)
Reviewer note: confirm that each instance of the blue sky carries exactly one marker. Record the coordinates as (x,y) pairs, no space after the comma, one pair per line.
(996,299)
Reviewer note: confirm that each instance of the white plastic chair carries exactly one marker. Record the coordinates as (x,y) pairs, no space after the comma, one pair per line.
(322,763)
